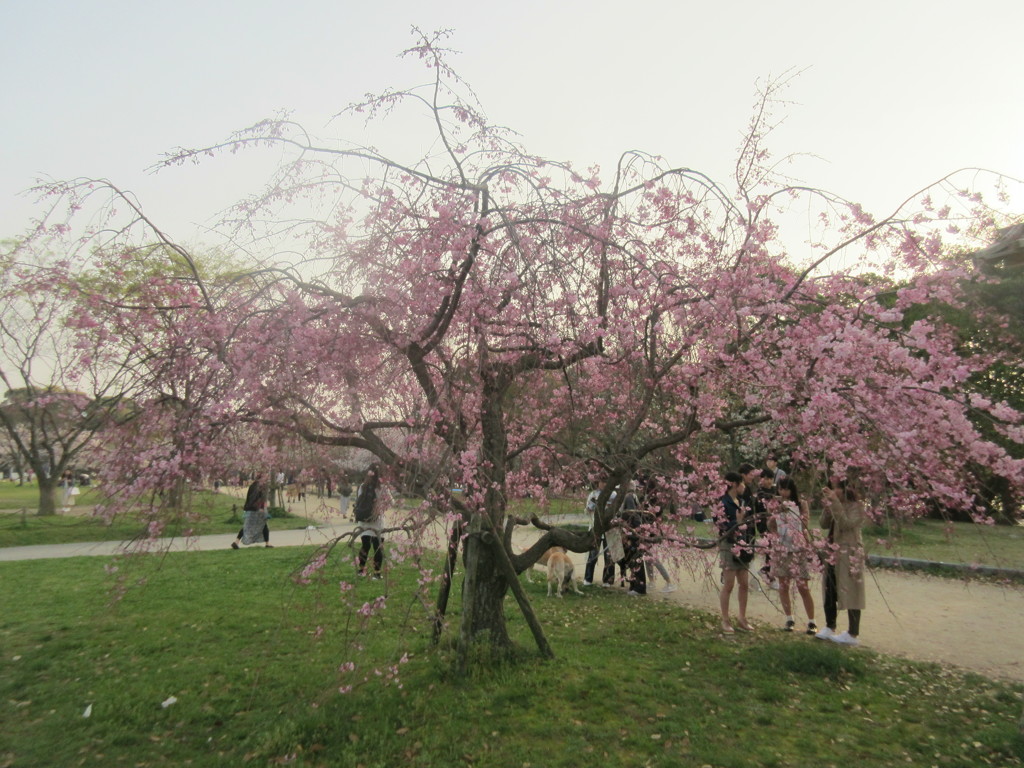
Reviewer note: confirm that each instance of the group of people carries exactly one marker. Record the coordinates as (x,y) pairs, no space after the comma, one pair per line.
(762,509)
(624,544)
(371,502)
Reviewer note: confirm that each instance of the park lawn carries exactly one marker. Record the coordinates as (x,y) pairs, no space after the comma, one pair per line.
(24,496)
(556,506)
(211,513)
(254,662)
(1001,546)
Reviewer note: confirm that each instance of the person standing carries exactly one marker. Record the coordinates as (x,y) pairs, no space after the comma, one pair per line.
(633,562)
(67,481)
(792,552)
(600,546)
(254,522)
(371,503)
(757,516)
(732,522)
(772,463)
(843,579)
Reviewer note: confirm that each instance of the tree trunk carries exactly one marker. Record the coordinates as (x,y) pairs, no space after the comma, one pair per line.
(47,496)
(483,601)
(489,572)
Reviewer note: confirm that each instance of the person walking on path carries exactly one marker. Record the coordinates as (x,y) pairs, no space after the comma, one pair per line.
(345,494)
(254,523)
(372,502)
(843,578)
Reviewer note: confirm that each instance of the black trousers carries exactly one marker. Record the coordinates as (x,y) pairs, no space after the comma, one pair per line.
(633,565)
(608,573)
(831,600)
(378,553)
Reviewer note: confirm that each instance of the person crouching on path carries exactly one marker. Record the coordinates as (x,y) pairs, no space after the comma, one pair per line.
(371,503)
(254,523)
(843,579)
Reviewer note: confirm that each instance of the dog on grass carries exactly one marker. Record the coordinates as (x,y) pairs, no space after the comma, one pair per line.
(541,564)
(561,571)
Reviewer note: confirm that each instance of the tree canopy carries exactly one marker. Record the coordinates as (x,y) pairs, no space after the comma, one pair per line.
(485,319)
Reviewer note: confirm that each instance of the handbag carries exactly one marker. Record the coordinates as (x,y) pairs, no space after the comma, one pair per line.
(746,553)
(613,538)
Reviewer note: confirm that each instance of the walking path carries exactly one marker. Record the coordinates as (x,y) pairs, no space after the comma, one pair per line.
(974,625)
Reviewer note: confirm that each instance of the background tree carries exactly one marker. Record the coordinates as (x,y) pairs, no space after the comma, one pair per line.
(991,318)
(63,385)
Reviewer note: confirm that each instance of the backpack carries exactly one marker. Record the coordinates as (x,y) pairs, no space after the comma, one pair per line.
(364,505)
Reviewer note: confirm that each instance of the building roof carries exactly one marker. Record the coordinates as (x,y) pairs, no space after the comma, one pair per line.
(1006,251)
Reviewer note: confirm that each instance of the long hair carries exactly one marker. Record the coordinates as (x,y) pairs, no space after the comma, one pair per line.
(794,493)
(372,482)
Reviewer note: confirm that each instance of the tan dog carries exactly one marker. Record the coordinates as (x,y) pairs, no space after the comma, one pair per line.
(561,571)
(541,564)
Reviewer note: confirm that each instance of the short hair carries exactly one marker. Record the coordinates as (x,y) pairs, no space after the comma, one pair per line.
(745,468)
(733,477)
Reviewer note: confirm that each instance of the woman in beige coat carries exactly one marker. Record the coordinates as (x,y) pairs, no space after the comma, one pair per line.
(843,579)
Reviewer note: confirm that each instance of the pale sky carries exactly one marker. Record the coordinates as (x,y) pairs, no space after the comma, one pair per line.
(894,94)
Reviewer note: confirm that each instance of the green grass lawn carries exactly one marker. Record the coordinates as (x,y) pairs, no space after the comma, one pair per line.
(997,545)
(212,513)
(26,496)
(255,665)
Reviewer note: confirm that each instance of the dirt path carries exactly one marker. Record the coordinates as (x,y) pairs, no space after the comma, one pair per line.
(976,626)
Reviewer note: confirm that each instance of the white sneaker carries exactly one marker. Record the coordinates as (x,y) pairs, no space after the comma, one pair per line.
(588,583)
(825,634)
(845,639)
(634,593)
(669,588)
